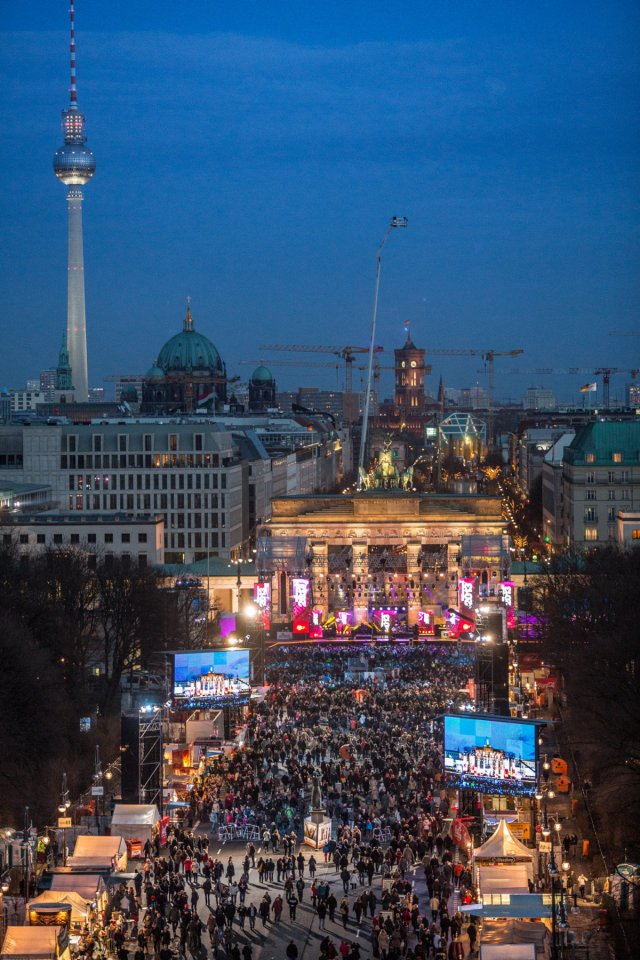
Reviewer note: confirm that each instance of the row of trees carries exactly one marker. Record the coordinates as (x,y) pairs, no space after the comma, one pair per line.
(588,606)
(70,631)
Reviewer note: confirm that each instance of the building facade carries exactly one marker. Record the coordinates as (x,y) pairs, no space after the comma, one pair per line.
(600,479)
(383,551)
(136,540)
(211,480)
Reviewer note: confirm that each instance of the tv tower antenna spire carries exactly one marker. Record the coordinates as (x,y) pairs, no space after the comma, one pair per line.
(74,164)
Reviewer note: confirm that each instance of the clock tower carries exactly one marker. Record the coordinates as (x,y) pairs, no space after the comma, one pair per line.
(409,398)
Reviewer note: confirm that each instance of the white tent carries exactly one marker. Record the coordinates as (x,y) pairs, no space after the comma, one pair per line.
(22,943)
(99,852)
(502,878)
(503,848)
(135,821)
(514,933)
(49,899)
(507,951)
(89,886)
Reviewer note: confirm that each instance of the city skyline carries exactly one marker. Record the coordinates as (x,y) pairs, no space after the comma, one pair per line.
(253,161)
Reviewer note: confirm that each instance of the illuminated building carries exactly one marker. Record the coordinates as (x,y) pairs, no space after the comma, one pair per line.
(74,165)
(385,556)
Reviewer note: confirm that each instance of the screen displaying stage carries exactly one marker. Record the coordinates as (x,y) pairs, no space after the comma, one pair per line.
(198,673)
(494,754)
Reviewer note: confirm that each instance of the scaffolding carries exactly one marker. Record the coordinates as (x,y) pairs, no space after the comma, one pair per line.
(150,757)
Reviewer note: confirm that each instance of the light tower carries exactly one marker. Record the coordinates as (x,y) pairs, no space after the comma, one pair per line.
(74,164)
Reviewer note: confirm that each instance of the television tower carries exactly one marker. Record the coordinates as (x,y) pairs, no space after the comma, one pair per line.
(74,164)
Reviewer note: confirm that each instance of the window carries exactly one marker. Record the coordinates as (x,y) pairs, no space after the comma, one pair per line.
(611,495)
(590,457)
(108,538)
(74,538)
(590,514)
(91,538)
(625,494)
(148,442)
(126,538)
(97,443)
(635,534)
(611,476)
(40,538)
(198,441)
(617,457)
(591,533)
(142,560)
(24,538)
(611,514)
(6,538)
(122,442)
(173,442)
(591,495)
(57,538)
(590,477)
(142,538)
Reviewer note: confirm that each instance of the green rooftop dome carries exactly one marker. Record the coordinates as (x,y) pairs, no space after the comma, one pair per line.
(155,373)
(189,350)
(261,375)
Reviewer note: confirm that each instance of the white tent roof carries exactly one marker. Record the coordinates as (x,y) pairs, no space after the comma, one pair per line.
(514,933)
(98,848)
(507,951)
(135,813)
(86,885)
(31,941)
(502,843)
(49,898)
(507,878)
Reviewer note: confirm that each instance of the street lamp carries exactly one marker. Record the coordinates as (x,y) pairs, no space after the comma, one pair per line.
(395,222)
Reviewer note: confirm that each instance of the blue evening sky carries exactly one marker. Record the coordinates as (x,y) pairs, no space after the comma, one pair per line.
(250,155)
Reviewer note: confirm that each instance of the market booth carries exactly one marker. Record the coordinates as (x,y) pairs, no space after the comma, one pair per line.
(53,903)
(99,853)
(90,887)
(44,943)
(511,939)
(137,823)
(503,864)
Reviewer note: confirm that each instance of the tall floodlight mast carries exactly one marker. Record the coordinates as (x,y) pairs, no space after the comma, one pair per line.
(395,222)
(75,164)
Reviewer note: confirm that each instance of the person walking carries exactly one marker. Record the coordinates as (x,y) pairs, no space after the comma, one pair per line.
(322,913)
(292,951)
(292,901)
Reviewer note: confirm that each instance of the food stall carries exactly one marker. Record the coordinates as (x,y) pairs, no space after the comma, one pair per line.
(53,903)
(24,943)
(99,853)
(137,823)
(90,887)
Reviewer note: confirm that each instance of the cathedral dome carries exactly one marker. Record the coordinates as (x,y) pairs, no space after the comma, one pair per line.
(262,374)
(190,351)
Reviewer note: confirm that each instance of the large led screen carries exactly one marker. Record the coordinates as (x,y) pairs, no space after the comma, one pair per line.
(196,671)
(490,753)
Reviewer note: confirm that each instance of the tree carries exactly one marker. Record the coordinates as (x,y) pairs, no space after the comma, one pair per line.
(126,605)
(588,607)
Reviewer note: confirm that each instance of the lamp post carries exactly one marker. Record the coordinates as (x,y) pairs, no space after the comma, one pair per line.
(98,786)
(395,222)
(63,808)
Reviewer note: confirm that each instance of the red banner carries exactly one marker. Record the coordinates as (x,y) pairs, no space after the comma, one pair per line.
(460,835)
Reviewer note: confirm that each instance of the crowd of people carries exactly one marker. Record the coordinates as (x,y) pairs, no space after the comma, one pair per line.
(389,882)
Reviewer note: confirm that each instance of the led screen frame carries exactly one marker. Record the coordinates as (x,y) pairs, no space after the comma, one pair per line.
(491,754)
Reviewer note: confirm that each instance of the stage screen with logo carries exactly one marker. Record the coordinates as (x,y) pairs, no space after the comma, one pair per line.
(196,671)
(491,754)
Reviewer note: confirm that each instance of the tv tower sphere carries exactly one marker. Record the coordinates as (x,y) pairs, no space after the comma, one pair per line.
(74,163)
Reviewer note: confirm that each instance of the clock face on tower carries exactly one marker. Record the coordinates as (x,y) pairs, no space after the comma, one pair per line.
(403,364)
(413,363)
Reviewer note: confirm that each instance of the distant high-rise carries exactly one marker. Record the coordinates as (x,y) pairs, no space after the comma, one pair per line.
(74,164)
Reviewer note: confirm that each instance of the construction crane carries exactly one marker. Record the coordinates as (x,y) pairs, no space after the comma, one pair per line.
(488,357)
(605,372)
(326,364)
(346,353)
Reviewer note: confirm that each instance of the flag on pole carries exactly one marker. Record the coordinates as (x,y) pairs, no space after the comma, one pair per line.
(205,397)
(589,388)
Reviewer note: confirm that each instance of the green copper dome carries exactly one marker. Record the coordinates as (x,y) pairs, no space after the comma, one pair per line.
(189,350)
(155,373)
(261,375)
